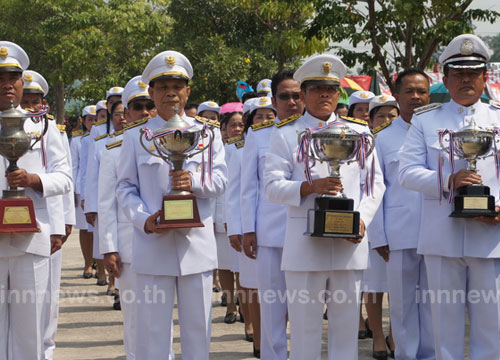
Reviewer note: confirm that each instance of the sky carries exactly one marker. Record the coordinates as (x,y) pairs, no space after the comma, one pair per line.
(486,29)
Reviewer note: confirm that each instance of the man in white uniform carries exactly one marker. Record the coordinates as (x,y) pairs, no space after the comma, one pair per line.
(176,261)
(24,258)
(461,255)
(400,214)
(315,267)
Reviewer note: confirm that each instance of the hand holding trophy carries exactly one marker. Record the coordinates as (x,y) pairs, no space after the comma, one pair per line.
(17,213)
(175,143)
(471,143)
(336,143)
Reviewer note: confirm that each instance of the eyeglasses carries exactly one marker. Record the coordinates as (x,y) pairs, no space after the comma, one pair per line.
(287,96)
(137,106)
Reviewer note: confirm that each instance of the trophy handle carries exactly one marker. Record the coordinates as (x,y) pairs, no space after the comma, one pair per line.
(205,146)
(372,144)
(441,142)
(146,148)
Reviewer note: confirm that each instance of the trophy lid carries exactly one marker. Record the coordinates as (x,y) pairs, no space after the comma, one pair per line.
(472,127)
(337,131)
(12,113)
(177,122)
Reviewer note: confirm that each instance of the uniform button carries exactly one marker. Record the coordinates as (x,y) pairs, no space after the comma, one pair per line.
(460,110)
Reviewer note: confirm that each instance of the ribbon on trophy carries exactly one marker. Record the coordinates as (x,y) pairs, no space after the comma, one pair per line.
(451,159)
(149,135)
(304,152)
(38,116)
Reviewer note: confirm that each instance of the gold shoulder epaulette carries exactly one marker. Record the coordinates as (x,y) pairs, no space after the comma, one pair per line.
(209,122)
(86,134)
(495,104)
(262,125)
(381,127)
(114,144)
(354,120)
(116,133)
(133,124)
(77,133)
(233,139)
(61,127)
(288,120)
(100,122)
(103,136)
(240,144)
(425,108)
(50,117)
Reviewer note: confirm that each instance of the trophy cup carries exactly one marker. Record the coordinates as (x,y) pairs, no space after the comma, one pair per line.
(471,143)
(17,212)
(333,215)
(175,143)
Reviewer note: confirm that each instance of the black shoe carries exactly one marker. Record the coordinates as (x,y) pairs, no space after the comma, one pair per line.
(391,353)
(256,352)
(116,304)
(248,337)
(230,318)
(87,275)
(111,292)
(325,316)
(365,334)
(242,320)
(379,355)
(216,289)
(102,282)
(223,300)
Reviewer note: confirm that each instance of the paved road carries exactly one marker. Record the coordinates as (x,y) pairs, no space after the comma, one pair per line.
(90,329)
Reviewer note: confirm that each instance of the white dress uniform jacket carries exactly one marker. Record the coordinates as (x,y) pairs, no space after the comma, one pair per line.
(142,181)
(283,178)
(418,172)
(260,215)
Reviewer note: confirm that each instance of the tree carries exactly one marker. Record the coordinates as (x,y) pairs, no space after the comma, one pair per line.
(494,44)
(101,43)
(230,40)
(400,34)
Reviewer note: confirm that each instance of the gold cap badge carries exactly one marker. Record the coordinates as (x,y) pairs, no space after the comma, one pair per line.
(4,52)
(467,47)
(326,67)
(383,98)
(92,108)
(170,60)
(263,100)
(28,77)
(142,85)
(115,89)
(364,95)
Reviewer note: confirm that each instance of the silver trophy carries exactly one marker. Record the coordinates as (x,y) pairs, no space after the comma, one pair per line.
(333,215)
(178,143)
(471,143)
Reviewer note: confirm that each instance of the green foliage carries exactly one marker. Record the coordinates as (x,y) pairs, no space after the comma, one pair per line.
(231,40)
(400,33)
(494,43)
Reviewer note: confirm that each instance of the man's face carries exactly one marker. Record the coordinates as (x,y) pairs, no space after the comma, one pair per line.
(287,100)
(31,101)
(168,94)
(320,99)
(465,85)
(111,100)
(140,109)
(11,89)
(414,92)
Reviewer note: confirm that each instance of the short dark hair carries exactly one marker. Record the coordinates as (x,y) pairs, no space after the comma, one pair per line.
(224,119)
(249,119)
(350,112)
(113,107)
(408,72)
(191,106)
(248,95)
(278,78)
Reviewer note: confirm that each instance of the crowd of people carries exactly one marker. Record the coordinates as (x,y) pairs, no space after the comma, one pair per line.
(249,187)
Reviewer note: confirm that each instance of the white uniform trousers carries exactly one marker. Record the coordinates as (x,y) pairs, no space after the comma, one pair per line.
(96,253)
(81,222)
(411,319)
(273,308)
(307,292)
(23,282)
(457,283)
(155,303)
(126,285)
(51,304)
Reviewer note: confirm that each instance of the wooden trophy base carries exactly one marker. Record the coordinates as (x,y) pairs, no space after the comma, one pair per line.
(473,201)
(17,215)
(333,218)
(179,212)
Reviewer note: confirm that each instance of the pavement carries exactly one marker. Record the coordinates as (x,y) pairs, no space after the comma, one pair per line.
(90,329)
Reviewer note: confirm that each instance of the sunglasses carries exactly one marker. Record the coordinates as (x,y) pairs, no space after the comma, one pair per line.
(287,96)
(141,106)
